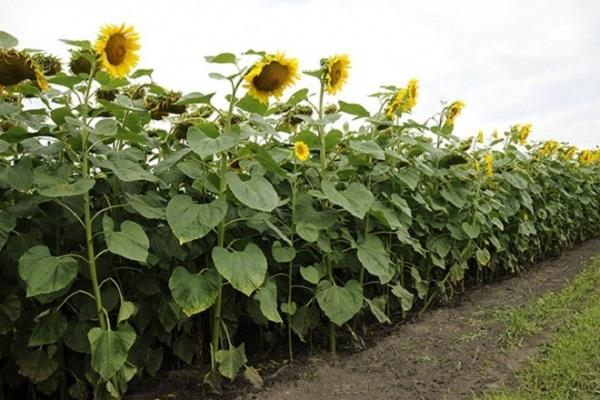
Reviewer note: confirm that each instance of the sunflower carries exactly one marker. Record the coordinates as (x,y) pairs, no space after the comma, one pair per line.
(488,161)
(18,66)
(49,64)
(397,103)
(524,132)
(336,73)
(586,157)
(301,151)
(413,92)
(480,137)
(271,76)
(453,111)
(549,148)
(79,62)
(568,153)
(117,46)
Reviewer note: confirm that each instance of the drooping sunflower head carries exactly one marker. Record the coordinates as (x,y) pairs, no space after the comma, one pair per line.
(336,73)
(397,103)
(480,137)
(488,161)
(18,66)
(117,46)
(49,64)
(80,61)
(271,76)
(586,157)
(568,153)
(524,132)
(413,93)
(453,111)
(549,148)
(301,151)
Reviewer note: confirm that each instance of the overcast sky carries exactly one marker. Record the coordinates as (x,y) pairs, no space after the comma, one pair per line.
(510,61)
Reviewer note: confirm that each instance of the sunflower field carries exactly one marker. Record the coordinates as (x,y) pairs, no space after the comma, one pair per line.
(142,230)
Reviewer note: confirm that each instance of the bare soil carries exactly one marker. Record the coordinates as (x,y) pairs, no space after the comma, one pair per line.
(447,353)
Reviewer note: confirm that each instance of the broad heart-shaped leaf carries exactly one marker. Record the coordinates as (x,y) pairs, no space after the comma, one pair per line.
(110,349)
(368,147)
(356,199)
(44,274)
(256,193)
(231,360)
(131,242)
(7,224)
(194,293)
(54,186)
(48,329)
(36,365)
(205,146)
(190,221)
(472,230)
(267,298)
(149,205)
(340,304)
(127,170)
(245,270)
(374,257)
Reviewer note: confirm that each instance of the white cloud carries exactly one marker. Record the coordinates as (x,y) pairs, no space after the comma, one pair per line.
(510,61)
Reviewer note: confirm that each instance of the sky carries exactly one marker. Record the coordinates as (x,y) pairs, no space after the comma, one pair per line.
(510,61)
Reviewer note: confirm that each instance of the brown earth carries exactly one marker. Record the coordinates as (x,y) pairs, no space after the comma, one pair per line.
(447,353)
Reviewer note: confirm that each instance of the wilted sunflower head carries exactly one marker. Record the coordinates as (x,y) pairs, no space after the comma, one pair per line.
(301,151)
(524,132)
(49,64)
(117,47)
(412,94)
(336,73)
(453,111)
(271,76)
(79,62)
(18,66)
(397,103)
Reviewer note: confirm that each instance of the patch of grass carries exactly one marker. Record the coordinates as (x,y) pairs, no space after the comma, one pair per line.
(568,367)
(536,315)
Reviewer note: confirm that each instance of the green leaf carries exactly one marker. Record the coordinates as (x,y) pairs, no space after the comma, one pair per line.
(374,257)
(251,105)
(194,293)
(256,193)
(354,109)
(106,127)
(36,365)
(54,186)
(483,256)
(297,97)
(267,298)
(223,58)
(453,197)
(190,221)
(149,205)
(44,274)
(368,147)
(48,329)
(406,298)
(8,221)
(128,171)
(126,310)
(205,146)
(245,270)
(194,98)
(131,242)
(340,304)
(7,41)
(84,44)
(282,254)
(231,360)
(266,160)
(110,349)
(356,199)
(472,230)
(378,312)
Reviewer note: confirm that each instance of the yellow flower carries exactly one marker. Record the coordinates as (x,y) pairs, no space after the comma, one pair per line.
(413,93)
(301,151)
(453,111)
(524,132)
(569,153)
(495,135)
(397,103)
(271,76)
(336,73)
(548,148)
(117,47)
(480,137)
(488,160)
(585,157)
(18,66)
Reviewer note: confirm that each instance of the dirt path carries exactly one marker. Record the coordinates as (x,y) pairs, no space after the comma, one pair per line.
(448,354)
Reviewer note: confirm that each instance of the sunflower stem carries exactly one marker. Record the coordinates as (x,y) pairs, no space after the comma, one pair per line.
(322,129)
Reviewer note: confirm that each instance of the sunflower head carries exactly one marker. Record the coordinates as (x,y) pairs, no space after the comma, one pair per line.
(412,94)
(488,161)
(453,111)
(335,73)
(18,66)
(568,153)
(271,76)
(397,103)
(117,46)
(79,62)
(301,151)
(524,132)
(480,137)
(49,64)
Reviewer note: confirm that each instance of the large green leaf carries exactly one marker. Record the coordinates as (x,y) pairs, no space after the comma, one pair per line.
(194,293)
(43,273)
(110,349)
(340,304)
(7,41)
(267,298)
(205,146)
(149,205)
(374,257)
(48,329)
(7,223)
(131,242)
(190,221)
(36,365)
(368,147)
(356,199)
(471,229)
(54,186)
(245,270)
(128,171)
(406,298)
(231,360)
(256,193)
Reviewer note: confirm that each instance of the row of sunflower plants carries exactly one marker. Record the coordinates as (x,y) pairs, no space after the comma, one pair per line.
(142,229)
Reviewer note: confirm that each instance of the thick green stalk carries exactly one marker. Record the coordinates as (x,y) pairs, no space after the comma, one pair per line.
(290,269)
(323,154)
